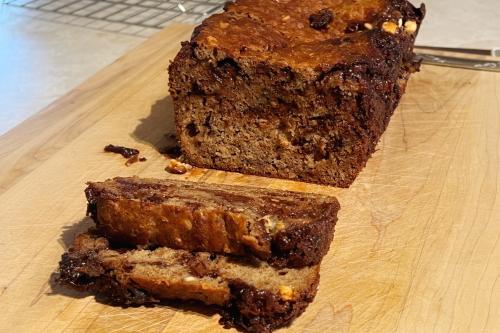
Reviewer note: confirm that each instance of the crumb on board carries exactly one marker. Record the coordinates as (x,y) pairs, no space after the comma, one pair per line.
(177,168)
(131,154)
(124,151)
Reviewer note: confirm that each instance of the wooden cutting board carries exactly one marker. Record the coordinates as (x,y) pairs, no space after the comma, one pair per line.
(417,247)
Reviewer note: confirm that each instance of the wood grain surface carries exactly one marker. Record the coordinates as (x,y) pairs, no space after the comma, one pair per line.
(416,248)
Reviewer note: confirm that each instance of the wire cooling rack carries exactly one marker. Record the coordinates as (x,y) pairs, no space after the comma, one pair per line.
(125,16)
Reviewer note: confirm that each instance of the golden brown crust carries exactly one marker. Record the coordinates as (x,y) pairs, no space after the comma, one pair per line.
(289,229)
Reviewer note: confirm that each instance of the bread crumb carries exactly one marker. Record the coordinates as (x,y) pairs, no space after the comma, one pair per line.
(132,160)
(190,279)
(177,168)
(223,25)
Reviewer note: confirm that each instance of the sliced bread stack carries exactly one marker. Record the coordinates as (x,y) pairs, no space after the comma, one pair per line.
(253,253)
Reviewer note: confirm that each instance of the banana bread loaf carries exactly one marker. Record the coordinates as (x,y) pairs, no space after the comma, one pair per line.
(293,89)
(288,229)
(251,294)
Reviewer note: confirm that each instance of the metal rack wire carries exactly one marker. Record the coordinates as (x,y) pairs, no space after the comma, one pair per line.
(126,15)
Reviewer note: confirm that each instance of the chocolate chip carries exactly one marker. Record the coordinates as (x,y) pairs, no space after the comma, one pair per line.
(124,151)
(321,19)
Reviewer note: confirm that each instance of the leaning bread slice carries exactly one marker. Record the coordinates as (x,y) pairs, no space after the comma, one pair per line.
(252,294)
(288,229)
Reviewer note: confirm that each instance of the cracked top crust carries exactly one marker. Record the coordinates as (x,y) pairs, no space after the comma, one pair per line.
(315,35)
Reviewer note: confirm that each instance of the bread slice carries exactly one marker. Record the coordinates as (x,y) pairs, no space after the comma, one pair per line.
(250,293)
(288,229)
